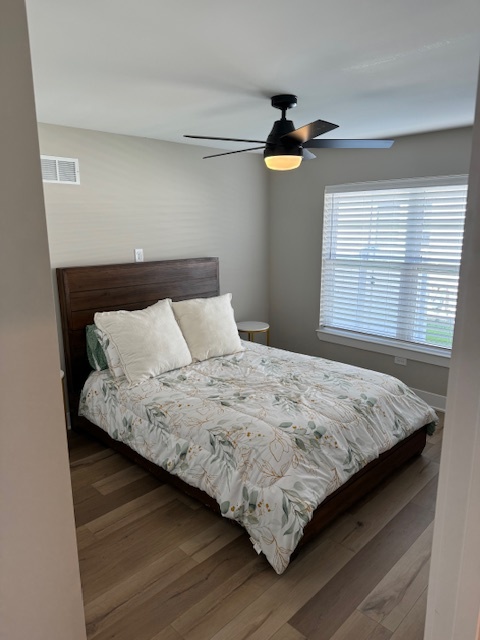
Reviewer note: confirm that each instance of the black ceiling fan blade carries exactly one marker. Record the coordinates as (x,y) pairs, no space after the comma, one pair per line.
(226,139)
(309,131)
(325,143)
(228,153)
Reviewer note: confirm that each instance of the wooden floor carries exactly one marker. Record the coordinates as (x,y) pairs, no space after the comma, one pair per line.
(157,566)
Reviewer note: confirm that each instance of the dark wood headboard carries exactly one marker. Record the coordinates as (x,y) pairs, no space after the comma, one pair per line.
(83,291)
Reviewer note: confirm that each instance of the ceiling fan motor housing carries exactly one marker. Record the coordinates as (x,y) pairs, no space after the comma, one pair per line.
(278,146)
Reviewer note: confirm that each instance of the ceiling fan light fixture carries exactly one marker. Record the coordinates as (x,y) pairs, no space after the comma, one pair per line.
(280,157)
(283,163)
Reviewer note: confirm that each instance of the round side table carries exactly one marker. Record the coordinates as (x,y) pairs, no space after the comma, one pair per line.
(251,327)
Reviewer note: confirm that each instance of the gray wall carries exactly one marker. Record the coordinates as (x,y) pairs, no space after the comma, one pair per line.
(265,227)
(296,212)
(161,197)
(40,595)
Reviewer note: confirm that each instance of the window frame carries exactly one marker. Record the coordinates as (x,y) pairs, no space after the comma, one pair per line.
(381,344)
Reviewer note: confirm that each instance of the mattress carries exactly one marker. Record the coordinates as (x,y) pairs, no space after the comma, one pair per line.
(268,433)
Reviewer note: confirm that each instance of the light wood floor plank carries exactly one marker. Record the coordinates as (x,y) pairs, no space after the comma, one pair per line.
(413,626)
(91,504)
(305,577)
(393,598)
(119,479)
(84,537)
(156,565)
(161,608)
(207,542)
(133,547)
(87,471)
(125,596)
(360,627)
(210,614)
(129,512)
(427,497)
(168,633)
(326,611)
(288,633)
(357,529)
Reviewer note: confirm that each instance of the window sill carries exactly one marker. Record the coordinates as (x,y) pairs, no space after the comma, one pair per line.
(433,356)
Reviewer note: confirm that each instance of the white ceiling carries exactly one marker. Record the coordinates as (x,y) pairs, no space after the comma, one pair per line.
(163,68)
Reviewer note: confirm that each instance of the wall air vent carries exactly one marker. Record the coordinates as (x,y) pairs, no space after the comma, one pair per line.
(60,170)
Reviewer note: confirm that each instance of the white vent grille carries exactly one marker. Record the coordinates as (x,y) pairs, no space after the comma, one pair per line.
(60,170)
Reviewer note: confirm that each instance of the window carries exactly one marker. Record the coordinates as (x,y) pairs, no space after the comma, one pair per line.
(391,260)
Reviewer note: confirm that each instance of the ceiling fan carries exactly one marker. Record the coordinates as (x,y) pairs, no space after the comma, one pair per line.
(285,146)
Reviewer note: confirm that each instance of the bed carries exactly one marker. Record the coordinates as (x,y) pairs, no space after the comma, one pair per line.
(280,443)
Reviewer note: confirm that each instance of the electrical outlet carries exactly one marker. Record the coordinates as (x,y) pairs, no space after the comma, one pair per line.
(138,253)
(400,360)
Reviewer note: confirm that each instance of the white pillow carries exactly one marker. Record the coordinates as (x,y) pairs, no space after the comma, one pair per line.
(208,325)
(148,342)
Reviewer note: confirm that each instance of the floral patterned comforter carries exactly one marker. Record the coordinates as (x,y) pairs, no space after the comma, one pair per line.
(267,433)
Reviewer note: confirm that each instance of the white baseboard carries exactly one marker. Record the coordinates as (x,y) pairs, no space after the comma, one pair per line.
(433,399)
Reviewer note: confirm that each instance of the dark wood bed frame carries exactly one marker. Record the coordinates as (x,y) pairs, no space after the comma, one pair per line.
(85,290)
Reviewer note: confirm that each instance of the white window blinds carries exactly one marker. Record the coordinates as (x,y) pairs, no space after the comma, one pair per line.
(391,259)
